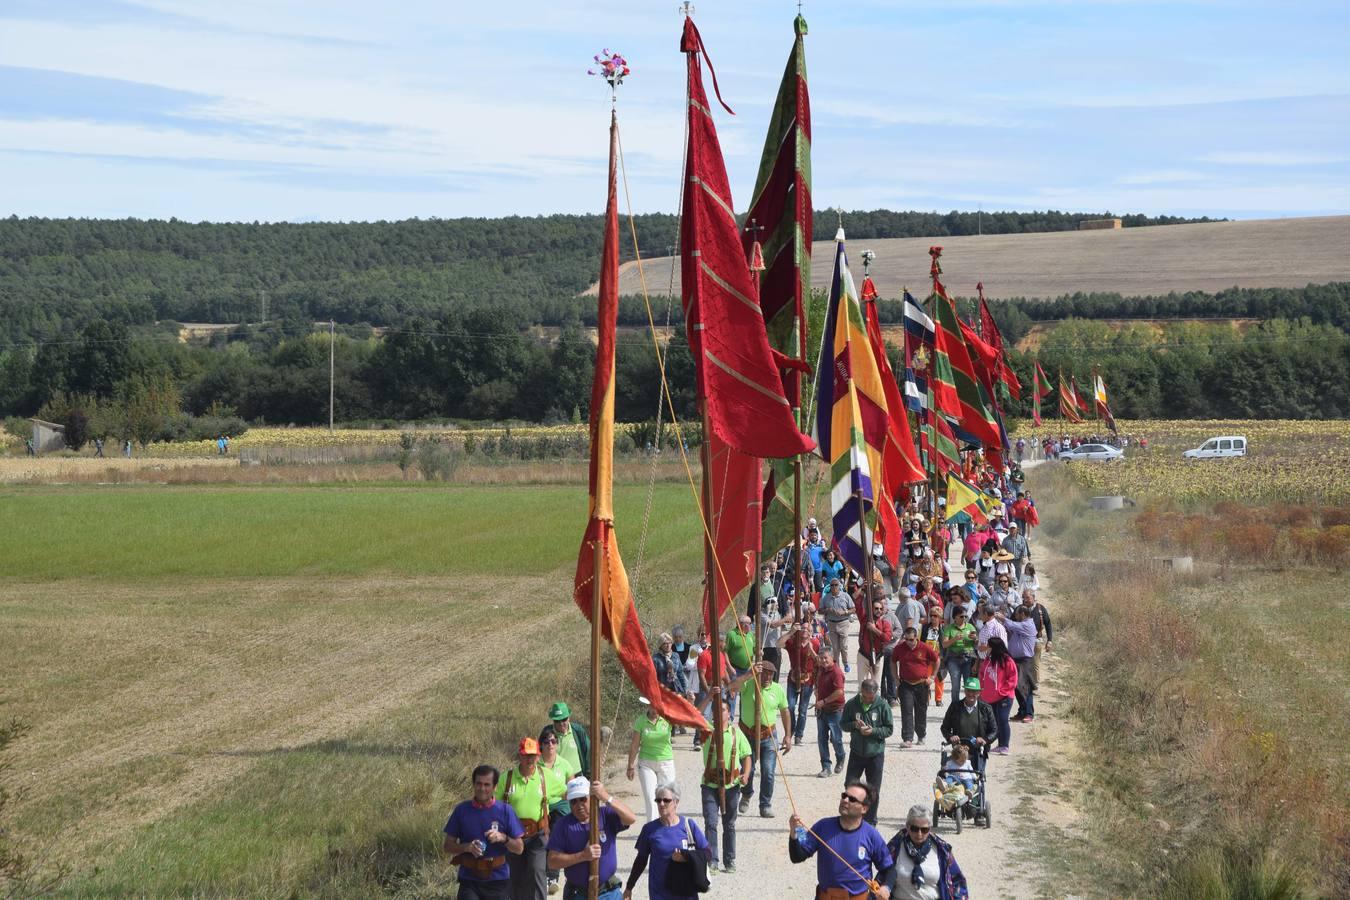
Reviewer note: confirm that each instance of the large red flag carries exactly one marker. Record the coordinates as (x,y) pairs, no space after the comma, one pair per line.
(736,483)
(619,619)
(738,380)
(989,330)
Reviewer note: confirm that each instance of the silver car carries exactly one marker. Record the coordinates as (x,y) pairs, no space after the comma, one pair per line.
(1092,451)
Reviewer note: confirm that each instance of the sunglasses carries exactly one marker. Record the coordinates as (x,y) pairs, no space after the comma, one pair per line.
(549,741)
(918,829)
(662,801)
(851,799)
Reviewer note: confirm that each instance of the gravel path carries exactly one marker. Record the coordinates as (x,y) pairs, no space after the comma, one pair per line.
(996,862)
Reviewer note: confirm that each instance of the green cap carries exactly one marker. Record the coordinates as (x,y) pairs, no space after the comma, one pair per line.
(970,684)
(559,711)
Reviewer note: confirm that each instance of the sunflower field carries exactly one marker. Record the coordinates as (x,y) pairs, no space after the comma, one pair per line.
(1297,462)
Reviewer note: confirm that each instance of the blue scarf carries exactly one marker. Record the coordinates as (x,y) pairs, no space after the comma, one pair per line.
(916,855)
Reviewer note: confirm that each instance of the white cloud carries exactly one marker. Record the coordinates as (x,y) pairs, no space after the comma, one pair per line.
(1162,176)
(1273,158)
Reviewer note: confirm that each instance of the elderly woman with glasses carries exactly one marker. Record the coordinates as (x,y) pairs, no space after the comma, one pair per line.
(670,838)
(925,868)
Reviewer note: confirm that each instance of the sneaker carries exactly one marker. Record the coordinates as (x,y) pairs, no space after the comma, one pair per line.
(1022,718)
(729,869)
(797,739)
(847,668)
(907,744)
(839,767)
(1001,751)
(824,773)
(919,741)
(744,806)
(1029,719)
(712,868)
(766,812)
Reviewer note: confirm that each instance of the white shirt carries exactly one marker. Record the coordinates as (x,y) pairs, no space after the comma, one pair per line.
(904,886)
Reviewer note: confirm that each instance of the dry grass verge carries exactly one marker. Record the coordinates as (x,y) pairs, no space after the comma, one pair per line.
(1215,736)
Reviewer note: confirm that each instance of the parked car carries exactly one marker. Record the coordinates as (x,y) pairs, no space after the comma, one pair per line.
(1216,447)
(1093,451)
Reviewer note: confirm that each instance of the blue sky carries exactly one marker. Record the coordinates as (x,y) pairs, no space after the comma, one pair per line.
(348,110)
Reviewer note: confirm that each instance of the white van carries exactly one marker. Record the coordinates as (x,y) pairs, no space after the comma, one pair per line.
(1215,447)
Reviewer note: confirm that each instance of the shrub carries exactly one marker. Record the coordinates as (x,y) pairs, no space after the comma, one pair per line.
(1335,515)
(437,460)
(77,427)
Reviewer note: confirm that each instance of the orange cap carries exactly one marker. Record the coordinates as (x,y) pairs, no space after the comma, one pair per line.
(528,747)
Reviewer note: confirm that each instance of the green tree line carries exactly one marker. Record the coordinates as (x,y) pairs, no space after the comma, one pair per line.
(56,275)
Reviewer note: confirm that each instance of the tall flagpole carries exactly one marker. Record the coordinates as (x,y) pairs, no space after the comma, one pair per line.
(714,626)
(601,576)
(935,270)
(613,68)
(756,263)
(710,572)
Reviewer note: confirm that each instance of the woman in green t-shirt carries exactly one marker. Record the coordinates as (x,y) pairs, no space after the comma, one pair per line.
(958,650)
(557,772)
(650,756)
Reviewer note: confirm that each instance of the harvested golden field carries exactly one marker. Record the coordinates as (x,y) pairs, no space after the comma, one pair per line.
(112,469)
(1158,259)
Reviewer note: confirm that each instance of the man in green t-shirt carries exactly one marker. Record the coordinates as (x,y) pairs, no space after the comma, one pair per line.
(763,705)
(733,775)
(523,788)
(741,646)
(574,744)
(958,651)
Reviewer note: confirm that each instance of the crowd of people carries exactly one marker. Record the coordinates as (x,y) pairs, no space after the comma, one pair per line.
(959,621)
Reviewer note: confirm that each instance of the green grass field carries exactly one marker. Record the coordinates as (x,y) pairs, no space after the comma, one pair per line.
(279,690)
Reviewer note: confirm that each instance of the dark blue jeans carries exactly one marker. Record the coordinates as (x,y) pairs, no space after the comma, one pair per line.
(768,767)
(1001,710)
(830,730)
(799,702)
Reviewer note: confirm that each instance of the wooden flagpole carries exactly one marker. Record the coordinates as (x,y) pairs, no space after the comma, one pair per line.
(714,626)
(597,591)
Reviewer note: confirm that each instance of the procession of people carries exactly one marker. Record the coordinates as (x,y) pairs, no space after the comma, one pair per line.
(952,637)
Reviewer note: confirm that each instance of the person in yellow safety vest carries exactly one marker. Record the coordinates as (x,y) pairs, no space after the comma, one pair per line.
(525,790)
(732,776)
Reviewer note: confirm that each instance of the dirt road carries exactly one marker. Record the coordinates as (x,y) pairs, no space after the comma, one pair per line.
(998,861)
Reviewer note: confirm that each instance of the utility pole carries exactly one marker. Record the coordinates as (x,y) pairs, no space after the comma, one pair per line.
(332,343)
(979,221)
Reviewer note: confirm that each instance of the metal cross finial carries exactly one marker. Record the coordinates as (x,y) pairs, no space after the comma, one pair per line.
(754,228)
(686,9)
(839,211)
(867,257)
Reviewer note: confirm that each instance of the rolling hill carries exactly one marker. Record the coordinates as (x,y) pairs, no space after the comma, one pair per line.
(1159,259)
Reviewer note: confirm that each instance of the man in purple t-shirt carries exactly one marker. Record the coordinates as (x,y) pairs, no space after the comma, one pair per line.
(850,838)
(569,846)
(478,836)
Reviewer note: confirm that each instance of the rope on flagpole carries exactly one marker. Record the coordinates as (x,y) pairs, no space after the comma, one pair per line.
(787,786)
(661,365)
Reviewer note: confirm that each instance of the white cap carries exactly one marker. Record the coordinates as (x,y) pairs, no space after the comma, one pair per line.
(578,788)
